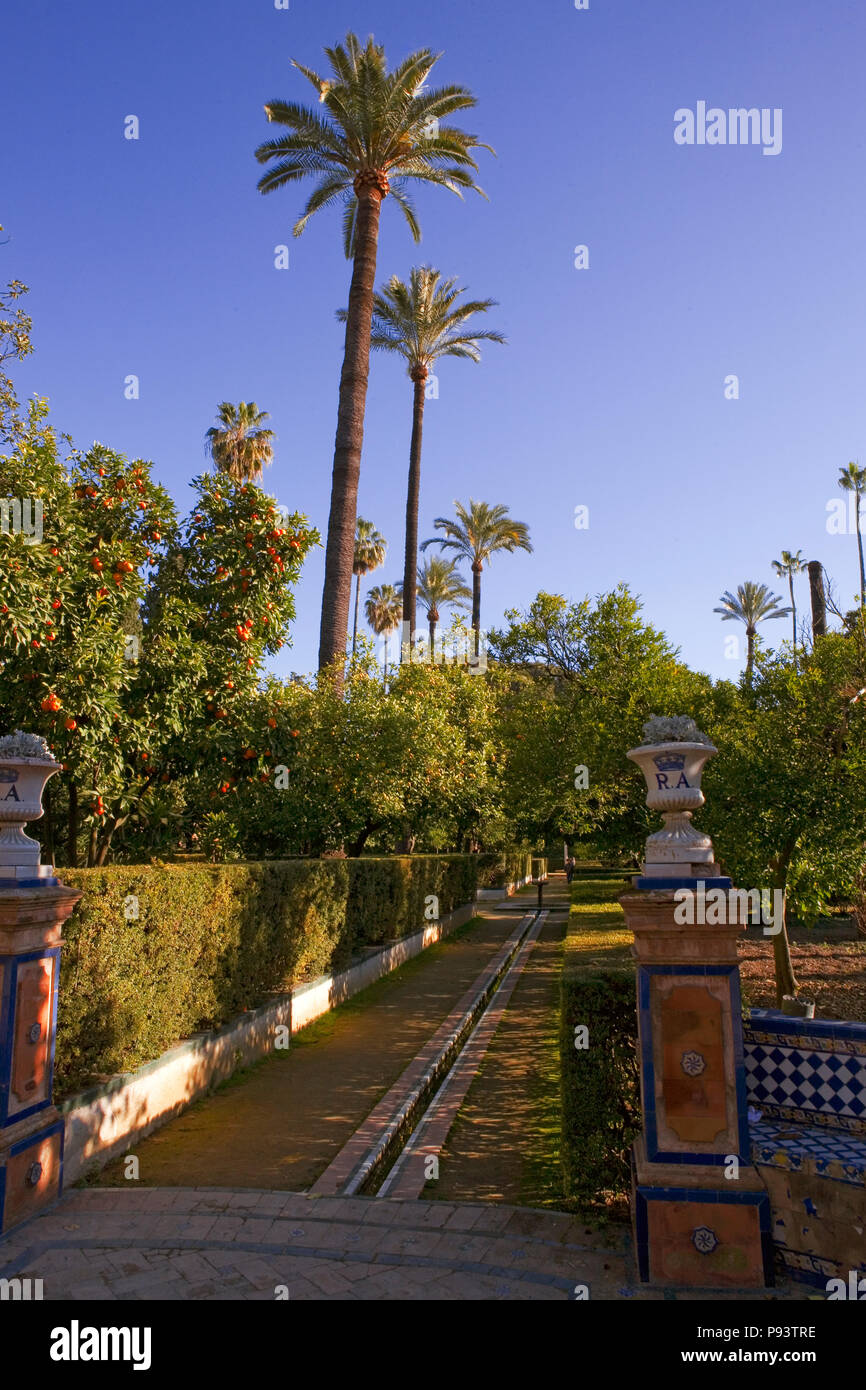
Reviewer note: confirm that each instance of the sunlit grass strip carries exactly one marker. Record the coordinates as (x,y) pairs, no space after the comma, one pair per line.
(597,930)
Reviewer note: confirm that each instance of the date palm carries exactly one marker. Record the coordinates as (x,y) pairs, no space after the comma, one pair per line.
(752,604)
(240,445)
(423,321)
(789,565)
(370,548)
(476,534)
(378,131)
(853,479)
(439,582)
(384,609)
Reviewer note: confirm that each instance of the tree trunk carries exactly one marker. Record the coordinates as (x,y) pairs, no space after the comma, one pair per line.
(860,550)
(750,652)
(406,843)
(72,828)
(355,626)
(107,835)
(49,824)
(786,981)
(91,845)
(476,604)
(431,624)
(819,606)
(357,845)
(340,550)
(793,612)
(413,494)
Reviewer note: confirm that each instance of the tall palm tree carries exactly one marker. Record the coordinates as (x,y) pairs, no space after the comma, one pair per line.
(423,321)
(752,604)
(370,548)
(384,609)
(239,444)
(475,536)
(440,581)
(790,565)
(378,130)
(853,479)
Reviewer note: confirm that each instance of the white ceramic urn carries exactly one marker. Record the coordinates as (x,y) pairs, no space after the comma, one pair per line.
(673,776)
(22,782)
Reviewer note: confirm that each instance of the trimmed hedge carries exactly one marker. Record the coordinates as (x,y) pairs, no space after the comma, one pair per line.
(212,940)
(601,1113)
(600,1084)
(511,866)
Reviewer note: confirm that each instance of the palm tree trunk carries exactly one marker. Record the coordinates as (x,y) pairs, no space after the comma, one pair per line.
(793,610)
(816,594)
(750,652)
(857,497)
(413,492)
(340,550)
(432,627)
(355,627)
(476,604)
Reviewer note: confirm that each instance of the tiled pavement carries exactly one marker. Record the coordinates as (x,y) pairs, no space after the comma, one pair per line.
(408,1178)
(384,1115)
(213,1244)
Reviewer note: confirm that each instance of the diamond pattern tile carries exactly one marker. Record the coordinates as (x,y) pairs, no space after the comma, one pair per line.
(797,1083)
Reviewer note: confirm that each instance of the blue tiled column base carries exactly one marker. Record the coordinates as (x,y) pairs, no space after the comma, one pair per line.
(708,1233)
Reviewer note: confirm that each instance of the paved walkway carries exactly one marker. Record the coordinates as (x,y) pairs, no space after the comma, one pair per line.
(281,1124)
(412,1086)
(212,1244)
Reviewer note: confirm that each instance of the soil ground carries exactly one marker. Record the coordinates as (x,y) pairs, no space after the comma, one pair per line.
(829,962)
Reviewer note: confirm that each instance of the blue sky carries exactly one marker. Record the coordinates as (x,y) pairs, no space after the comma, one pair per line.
(156,257)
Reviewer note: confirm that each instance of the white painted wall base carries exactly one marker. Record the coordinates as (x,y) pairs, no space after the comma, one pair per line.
(495,895)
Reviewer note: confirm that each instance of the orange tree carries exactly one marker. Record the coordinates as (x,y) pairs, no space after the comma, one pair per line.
(130,641)
(582,677)
(69,600)
(354,766)
(222,599)
(785,796)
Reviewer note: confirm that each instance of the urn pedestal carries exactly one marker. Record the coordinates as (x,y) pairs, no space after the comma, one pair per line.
(33,907)
(679,853)
(701,1213)
(31,1129)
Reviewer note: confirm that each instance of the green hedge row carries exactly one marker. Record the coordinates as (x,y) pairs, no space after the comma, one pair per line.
(601,1114)
(509,866)
(600,1083)
(155,953)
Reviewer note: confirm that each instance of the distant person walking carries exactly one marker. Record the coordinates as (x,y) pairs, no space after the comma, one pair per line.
(569,868)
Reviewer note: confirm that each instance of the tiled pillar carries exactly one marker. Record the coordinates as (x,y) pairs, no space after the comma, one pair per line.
(31,1129)
(701,1212)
